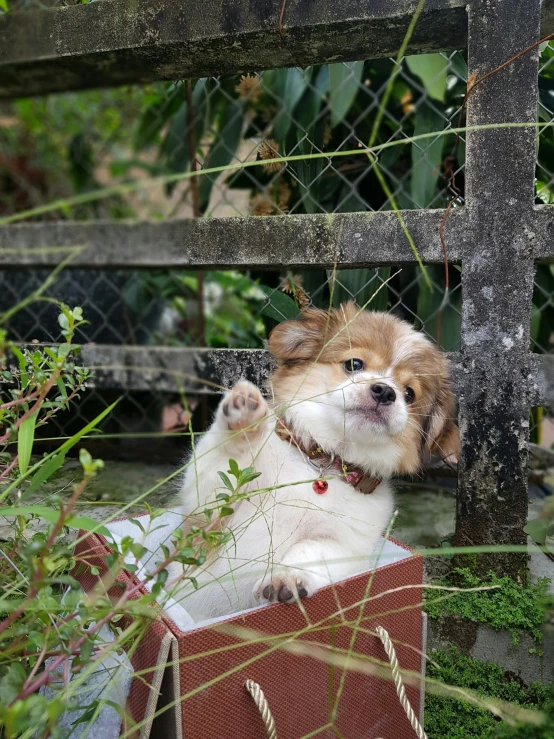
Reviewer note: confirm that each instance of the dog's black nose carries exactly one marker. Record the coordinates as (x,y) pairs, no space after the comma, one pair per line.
(383,394)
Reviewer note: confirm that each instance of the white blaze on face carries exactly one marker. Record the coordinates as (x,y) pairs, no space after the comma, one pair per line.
(360,409)
(330,404)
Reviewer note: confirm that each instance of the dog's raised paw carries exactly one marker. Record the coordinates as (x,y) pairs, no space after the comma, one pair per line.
(243,407)
(283,588)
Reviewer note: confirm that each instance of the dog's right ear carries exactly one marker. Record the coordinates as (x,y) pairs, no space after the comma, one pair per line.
(301,338)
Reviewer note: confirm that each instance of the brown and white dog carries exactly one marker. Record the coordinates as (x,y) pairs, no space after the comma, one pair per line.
(356,397)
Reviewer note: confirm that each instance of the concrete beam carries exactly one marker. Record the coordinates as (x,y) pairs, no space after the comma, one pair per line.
(497,285)
(139,41)
(344,239)
(172,369)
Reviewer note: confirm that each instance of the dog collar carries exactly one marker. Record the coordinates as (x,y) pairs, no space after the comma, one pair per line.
(324,462)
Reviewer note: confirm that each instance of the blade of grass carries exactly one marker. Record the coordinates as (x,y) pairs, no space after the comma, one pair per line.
(63,449)
(129,187)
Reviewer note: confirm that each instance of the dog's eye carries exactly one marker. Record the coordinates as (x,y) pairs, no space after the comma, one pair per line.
(409,395)
(353,365)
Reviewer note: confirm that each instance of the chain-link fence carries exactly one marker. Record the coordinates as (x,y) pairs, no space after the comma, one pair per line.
(542,321)
(55,147)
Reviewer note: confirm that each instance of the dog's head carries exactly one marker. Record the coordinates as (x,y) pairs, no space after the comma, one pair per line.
(364,385)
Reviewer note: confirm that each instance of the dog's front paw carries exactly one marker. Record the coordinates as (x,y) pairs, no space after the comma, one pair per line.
(285,587)
(243,406)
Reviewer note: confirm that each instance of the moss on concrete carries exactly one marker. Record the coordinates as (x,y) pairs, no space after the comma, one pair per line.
(449,719)
(509,606)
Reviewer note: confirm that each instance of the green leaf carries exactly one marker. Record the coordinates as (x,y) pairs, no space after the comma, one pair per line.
(162,577)
(92,710)
(228,484)
(226,511)
(289,86)
(309,175)
(23,376)
(279,306)
(247,475)
(188,560)
(45,473)
(12,682)
(431,304)
(87,524)
(432,70)
(175,147)
(344,79)
(362,284)
(223,149)
(4,5)
(309,107)
(49,351)
(458,65)
(543,192)
(138,550)
(64,350)
(137,523)
(234,468)
(25,439)
(80,154)
(52,516)
(163,104)
(426,156)
(61,387)
(537,529)
(65,447)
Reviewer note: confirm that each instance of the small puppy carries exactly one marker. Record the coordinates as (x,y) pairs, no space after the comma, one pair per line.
(356,397)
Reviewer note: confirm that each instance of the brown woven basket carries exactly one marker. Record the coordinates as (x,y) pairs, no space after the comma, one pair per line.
(300,668)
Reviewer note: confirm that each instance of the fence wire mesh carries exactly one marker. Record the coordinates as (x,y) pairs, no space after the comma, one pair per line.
(542,321)
(55,147)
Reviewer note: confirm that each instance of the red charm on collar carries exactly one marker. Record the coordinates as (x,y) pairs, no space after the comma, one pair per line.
(320,486)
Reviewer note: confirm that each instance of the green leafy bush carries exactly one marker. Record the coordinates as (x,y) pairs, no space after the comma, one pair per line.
(50,630)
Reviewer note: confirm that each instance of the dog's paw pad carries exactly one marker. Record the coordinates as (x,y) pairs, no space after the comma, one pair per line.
(243,406)
(283,588)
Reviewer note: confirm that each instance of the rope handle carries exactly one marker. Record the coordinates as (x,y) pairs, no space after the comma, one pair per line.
(265,712)
(397,677)
(263,707)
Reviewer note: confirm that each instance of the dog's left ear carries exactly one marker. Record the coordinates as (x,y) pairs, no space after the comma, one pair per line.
(299,339)
(442,435)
